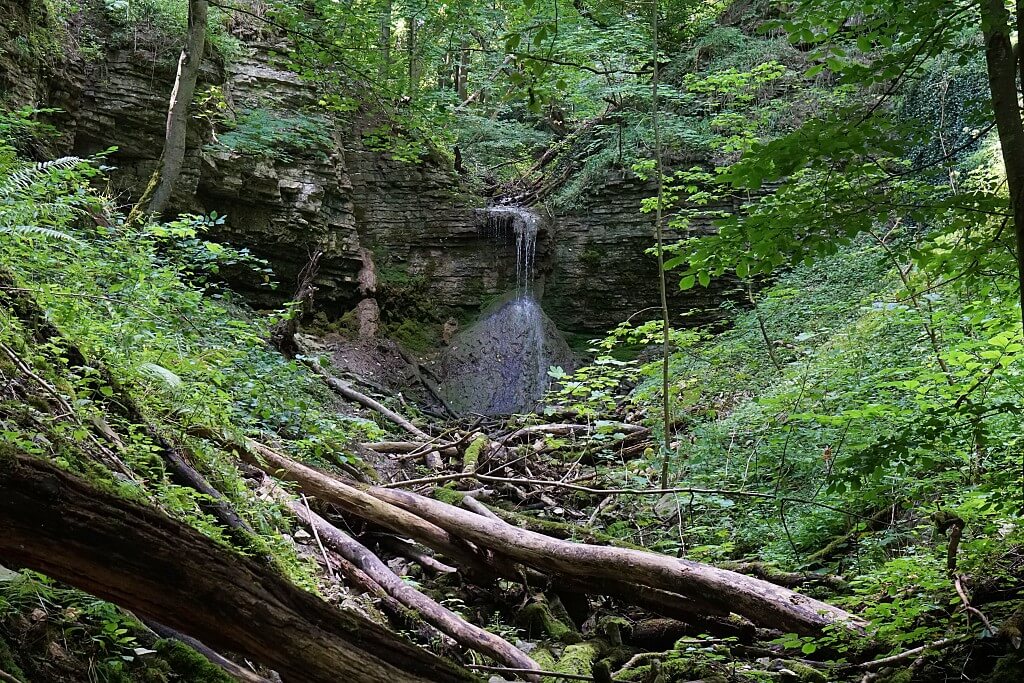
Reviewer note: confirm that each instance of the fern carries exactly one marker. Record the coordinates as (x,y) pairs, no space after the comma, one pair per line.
(37,231)
(23,179)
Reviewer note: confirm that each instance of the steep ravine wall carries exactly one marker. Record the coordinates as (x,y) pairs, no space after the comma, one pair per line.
(418,221)
(602,273)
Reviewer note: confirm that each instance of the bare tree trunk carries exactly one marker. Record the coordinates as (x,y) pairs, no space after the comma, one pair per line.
(433,613)
(462,72)
(410,49)
(666,393)
(500,545)
(1002,80)
(385,42)
(137,557)
(161,187)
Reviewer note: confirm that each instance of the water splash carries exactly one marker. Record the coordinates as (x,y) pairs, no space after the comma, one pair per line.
(499,365)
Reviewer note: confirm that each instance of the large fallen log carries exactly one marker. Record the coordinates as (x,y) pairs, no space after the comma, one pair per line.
(162,569)
(762,602)
(355,501)
(438,525)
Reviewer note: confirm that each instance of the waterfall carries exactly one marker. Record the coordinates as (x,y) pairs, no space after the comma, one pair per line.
(500,364)
(525,225)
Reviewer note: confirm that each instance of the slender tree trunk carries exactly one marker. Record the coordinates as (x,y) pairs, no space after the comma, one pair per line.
(161,187)
(666,399)
(1002,80)
(385,41)
(432,612)
(161,569)
(462,72)
(410,48)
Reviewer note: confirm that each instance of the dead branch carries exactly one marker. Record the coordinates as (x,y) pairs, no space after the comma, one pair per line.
(346,391)
(884,662)
(435,614)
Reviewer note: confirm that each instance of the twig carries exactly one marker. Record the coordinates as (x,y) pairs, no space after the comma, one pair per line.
(319,543)
(913,652)
(616,492)
(958,583)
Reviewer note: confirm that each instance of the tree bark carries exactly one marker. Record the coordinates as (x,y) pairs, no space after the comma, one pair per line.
(462,72)
(499,545)
(385,42)
(760,601)
(1002,80)
(161,569)
(433,613)
(177,112)
(410,50)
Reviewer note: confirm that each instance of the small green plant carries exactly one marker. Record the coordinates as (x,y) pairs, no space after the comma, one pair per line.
(275,136)
(202,260)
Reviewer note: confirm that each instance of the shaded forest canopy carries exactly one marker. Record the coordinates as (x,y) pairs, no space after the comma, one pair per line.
(748,273)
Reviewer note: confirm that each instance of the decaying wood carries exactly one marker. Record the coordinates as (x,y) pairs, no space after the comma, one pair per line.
(758,600)
(236,671)
(433,613)
(354,500)
(413,552)
(569,429)
(282,335)
(161,569)
(437,525)
(346,391)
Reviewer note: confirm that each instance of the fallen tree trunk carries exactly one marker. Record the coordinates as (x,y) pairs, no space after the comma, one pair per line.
(356,501)
(237,672)
(760,601)
(438,524)
(570,429)
(346,391)
(161,569)
(437,615)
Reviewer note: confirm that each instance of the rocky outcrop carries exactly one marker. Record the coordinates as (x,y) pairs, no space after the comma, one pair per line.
(601,272)
(500,364)
(291,178)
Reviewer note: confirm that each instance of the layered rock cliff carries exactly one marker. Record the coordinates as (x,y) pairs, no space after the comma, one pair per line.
(322,187)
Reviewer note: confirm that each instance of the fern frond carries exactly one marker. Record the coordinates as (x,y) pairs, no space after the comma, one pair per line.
(24,178)
(37,231)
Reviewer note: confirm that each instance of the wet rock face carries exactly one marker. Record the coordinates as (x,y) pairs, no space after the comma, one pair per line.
(499,365)
(420,224)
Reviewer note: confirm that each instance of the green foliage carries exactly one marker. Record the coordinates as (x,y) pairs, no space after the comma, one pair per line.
(275,136)
(199,260)
(137,299)
(160,24)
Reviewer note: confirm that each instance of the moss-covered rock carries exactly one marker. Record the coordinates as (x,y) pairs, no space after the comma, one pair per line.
(579,659)
(538,621)
(472,455)
(7,660)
